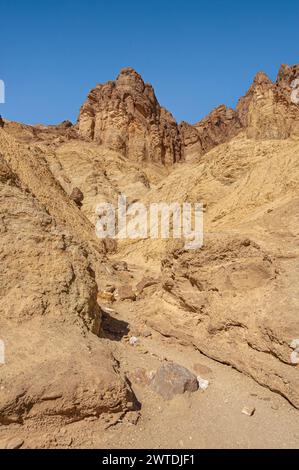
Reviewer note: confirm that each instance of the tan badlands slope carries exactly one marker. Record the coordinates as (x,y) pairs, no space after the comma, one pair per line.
(236,299)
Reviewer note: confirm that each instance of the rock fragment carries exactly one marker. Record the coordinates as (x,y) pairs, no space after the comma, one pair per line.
(77,196)
(133,341)
(248,410)
(202,383)
(125,293)
(14,443)
(172,379)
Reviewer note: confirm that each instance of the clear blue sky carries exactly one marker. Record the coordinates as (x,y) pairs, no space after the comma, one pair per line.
(197,54)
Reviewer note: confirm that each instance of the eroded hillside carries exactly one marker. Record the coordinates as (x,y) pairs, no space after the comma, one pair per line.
(70,303)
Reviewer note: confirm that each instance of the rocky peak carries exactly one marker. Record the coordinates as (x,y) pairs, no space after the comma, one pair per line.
(218,127)
(129,80)
(261,78)
(267,111)
(125,116)
(287,74)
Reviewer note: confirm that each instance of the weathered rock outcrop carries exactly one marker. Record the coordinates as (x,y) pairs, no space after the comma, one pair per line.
(218,299)
(125,116)
(268,111)
(49,316)
(221,125)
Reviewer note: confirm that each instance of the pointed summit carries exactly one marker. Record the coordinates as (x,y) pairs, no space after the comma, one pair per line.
(131,80)
(125,116)
(261,78)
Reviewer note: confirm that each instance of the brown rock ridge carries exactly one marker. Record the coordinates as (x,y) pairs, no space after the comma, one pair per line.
(221,125)
(125,116)
(267,110)
(52,134)
(55,364)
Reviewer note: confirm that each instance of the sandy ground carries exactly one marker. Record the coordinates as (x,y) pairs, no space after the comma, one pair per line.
(210,419)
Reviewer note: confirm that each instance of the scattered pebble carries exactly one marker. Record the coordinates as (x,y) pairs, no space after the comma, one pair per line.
(109,310)
(248,411)
(110,288)
(132,417)
(151,374)
(202,383)
(133,340)
(15,443)
(173,379)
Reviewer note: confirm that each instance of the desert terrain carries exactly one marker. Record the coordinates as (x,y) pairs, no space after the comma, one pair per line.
(143,343)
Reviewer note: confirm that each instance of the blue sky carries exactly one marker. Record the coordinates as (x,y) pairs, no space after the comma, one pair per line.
(197,54)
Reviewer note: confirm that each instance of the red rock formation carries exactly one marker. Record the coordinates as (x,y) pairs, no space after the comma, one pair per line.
(267,110)
(218,127)
(125,116)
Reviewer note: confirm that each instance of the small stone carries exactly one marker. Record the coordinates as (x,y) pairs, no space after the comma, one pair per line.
(151,374)
(110,311)
(248,411)
(15,443)
(172,379)
(77,196)
(125,293)
(132,417)
(48,396)
(105,295)
(133,340)
(110,288)
(202,383)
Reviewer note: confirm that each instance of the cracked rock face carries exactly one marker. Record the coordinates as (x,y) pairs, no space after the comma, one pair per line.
(54,365)
(239,307)
(221,125)
(125,116)
(267,110)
